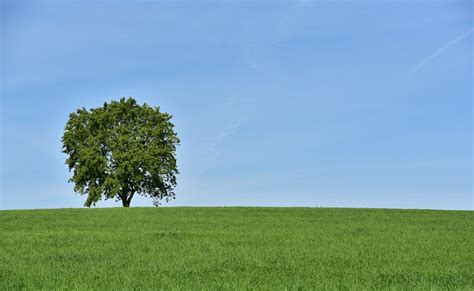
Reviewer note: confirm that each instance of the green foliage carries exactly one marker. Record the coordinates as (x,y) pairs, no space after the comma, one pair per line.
(236,249)
(121,149)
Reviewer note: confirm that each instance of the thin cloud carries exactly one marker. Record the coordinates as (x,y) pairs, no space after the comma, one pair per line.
(225,133)
(441,50)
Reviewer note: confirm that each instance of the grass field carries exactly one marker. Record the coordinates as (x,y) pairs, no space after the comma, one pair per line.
(236,248)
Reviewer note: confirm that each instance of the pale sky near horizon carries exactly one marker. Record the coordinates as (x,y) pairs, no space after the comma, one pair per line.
(277,103)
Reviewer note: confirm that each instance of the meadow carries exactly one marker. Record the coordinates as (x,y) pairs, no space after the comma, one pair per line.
(236,248)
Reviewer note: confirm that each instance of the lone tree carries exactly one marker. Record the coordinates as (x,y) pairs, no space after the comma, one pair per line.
(121,149)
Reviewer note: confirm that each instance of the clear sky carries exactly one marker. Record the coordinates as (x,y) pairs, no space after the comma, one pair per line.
(277,103)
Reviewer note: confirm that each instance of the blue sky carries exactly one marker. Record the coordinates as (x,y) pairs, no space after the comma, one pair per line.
(277,103)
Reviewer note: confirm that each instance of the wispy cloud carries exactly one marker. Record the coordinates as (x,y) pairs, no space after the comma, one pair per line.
(227,131)
(440,50)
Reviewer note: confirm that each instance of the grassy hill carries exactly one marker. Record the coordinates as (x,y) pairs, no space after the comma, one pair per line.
(215,248)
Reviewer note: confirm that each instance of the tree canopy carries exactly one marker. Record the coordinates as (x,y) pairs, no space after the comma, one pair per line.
(121,149)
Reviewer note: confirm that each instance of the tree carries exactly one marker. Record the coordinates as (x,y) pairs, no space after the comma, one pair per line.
(121,149)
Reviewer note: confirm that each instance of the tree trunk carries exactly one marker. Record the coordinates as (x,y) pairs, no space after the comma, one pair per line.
(126,199)
(126,196)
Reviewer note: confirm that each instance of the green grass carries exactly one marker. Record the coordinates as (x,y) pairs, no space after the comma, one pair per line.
(236,248)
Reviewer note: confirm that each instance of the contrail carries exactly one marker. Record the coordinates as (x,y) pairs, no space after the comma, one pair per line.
(441,50)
